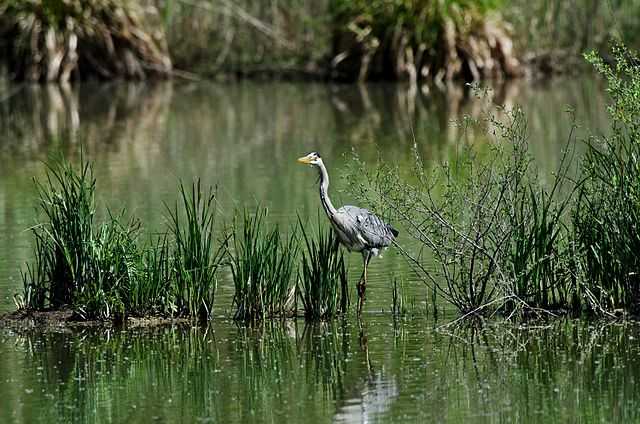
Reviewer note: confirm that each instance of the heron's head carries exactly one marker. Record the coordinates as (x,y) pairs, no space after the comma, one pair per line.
(312,158)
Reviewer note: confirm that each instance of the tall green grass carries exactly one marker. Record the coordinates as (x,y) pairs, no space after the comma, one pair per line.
(151,293)
(195,259)
(263,266)
(606,217)
(103,271)
(79,263)
(535,264)
(322,284)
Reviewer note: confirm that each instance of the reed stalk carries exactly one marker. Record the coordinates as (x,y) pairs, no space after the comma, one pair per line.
(262,263)
(322,284)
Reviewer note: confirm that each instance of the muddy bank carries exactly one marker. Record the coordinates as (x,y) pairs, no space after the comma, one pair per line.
(68,319)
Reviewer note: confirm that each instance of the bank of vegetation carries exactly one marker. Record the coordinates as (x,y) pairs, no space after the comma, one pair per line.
(58,40)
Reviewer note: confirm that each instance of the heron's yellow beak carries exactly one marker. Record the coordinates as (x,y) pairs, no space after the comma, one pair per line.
(305,160)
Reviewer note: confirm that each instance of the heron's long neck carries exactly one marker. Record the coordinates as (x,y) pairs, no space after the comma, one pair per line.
(324,191)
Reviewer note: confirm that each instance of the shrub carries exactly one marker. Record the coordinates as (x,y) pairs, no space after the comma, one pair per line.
(486,234)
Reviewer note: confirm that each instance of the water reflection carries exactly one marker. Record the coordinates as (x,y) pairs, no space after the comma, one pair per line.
(36,118)
(567,371)
(369,399)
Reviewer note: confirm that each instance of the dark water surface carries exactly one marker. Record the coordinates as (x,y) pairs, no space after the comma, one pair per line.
(245,138)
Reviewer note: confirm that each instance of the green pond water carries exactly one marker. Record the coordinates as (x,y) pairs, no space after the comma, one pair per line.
(244,138)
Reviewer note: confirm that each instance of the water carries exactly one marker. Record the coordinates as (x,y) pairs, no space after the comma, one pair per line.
(245,138)
(376,370)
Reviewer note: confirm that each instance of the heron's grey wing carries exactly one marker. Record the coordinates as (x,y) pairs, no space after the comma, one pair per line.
(364,223)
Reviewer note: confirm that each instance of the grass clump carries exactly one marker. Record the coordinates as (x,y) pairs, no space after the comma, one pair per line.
(322,284)
(195,258)
(102,271)
(606,218)
(150,294)
(77,262)
(262,265)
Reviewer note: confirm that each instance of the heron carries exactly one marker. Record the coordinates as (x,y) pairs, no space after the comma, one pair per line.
(357,229)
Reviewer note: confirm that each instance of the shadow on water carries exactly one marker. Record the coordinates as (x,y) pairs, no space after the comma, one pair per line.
(343,371)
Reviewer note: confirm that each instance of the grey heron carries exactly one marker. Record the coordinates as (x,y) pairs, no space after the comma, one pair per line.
(356,228)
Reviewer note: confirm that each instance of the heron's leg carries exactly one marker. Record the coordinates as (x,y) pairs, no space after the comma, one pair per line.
(362,285)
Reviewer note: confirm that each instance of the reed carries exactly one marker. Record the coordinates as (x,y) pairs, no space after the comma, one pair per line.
(536,257)
(399,304)
(67,199)
(607,214)
(196,259)
(77,262)
(262,263)
(322,284)
(150,294)
(113,265)
(102,271)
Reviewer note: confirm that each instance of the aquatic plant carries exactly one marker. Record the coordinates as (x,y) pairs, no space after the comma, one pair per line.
(102,271)
(77,262)
(398,298)
(322,284)
(262,263)
(535,265)
(151,294)
(113,265)
(195,258)
(606,217)
(56,40)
